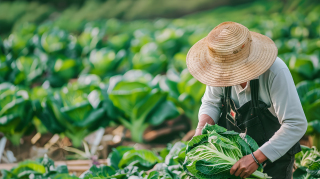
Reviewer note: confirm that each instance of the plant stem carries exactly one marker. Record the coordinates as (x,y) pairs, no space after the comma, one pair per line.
(137,131)
(259,174)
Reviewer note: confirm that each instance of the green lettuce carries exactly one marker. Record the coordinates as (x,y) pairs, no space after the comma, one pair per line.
(140,103)
(61,69)
(54,41)
(309,94)
(150,59)
(4,67)
(103,62)
(90,38)
(213,153)
(185,91)
(42,168)
(27,70)
(303,67)
(16,112)
(74,112)
(308,163)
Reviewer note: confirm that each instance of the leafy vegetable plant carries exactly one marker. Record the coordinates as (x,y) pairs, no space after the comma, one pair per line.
(213,153)
(42,168)
(309,94)
(74,111)
(303,67)
(16,112)
(27,70)
(185,91)
(150,59)
(140,103)
(308,163)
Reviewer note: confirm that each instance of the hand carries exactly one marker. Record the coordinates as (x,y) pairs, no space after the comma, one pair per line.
(244,167)
(204,118)
(198,131)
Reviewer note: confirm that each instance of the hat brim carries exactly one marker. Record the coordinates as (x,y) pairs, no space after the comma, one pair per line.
(202,66)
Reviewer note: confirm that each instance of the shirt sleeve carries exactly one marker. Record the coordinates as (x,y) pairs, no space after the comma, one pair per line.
(211,103)
(288,109)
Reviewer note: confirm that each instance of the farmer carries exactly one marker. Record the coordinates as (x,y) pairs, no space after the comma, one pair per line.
(249,90)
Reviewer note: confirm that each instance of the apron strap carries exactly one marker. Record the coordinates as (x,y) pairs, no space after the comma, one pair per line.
(227,93)
(227,96)
(254,85)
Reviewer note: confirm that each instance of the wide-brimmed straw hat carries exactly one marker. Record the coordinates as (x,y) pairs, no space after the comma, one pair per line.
(230,55)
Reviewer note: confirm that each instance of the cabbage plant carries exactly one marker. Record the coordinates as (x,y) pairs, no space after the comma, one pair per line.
(27,70)
(90,38)
(170,40)
(39,95)
(4,67)
(54,41)
(75,112)
(18,44)
(185,91)
(308,164)
(141,104)
(150,59)
(309,94)
(61,69)
(16,112)
(42,168)
(303,67)
(104,61)
(212,154)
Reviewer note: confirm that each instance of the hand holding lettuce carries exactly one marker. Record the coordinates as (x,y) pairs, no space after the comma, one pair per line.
(213,153)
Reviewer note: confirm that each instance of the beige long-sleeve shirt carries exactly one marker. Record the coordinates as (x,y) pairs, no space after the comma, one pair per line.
(277,90)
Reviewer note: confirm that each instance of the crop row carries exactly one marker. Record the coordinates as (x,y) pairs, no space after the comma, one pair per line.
(133,73)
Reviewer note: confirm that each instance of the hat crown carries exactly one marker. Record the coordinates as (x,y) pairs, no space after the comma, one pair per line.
(229,40)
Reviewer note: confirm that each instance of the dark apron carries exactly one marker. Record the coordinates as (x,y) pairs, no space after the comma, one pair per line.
(258,122)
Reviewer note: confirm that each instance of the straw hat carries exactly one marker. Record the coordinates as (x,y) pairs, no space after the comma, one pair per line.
(230,55)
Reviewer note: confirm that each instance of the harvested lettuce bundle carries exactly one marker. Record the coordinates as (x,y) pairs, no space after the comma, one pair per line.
(212,154)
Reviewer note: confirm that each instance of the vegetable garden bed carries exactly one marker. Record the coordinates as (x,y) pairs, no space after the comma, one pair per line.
(130,79)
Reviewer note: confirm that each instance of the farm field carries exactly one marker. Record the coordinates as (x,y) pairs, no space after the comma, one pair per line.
(118,93)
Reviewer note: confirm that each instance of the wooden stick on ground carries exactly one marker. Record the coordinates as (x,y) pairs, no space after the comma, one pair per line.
(151,135)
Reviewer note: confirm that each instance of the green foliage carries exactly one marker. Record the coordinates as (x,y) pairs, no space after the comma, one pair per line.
(16,112)
(173,155)
(215,151)
(104,61)
(74,111)
(185,91)
(303,67)
(162,171)
(309,94)
(80,42)
(140,103)
(135,162)
(101,171)
(27,70)
(116,155)
(308,162)
(150,59)
(42,168)
(144,159)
